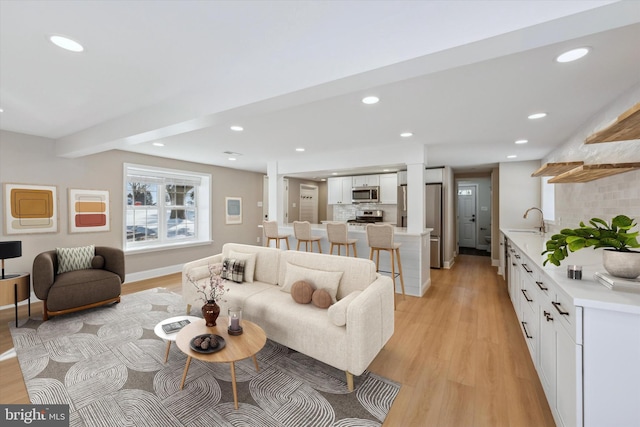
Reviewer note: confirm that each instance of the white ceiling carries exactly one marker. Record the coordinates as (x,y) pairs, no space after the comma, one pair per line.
(462,76)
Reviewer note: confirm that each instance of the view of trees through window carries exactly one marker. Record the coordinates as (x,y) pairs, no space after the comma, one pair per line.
(160,212)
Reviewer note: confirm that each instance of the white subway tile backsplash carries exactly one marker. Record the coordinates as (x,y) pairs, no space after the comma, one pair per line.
(602,198)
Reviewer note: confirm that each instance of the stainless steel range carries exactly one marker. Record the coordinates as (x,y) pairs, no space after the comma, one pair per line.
(366,217)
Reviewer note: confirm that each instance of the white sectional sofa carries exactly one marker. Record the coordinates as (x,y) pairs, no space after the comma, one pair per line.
(348,335)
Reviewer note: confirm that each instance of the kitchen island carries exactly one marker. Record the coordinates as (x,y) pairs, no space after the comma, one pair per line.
(414,253)
(584,338)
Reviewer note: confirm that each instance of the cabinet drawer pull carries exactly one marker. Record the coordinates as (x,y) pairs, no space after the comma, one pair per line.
(526,268)
(541,286)
(557,305)
(524,292)
(548,316)
(514,264)
(517,256)
(524,328)
(513,251)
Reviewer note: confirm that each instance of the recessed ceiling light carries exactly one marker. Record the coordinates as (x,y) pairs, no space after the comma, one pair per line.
(573,54)
(237,128)
(334,173)
(232,159)
(66,43)
(158,144)
(537,116)
(406,134)
(1,110)
(300,149)
(511,156)
(371,100)
(522,141)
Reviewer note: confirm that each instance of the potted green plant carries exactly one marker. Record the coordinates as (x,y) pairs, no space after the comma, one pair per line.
(616,237)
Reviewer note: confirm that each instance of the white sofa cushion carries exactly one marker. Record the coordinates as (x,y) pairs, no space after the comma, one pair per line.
(319,279)
(338,311)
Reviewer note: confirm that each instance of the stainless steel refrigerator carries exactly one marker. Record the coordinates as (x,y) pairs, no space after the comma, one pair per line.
(434,219)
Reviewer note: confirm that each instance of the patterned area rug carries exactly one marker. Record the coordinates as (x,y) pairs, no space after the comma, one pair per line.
(108,365)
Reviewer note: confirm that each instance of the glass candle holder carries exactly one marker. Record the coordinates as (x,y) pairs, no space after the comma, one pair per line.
(235,321)
(574,272)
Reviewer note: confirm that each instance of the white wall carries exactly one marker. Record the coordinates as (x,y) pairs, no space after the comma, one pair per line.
(607,197)
(518,192)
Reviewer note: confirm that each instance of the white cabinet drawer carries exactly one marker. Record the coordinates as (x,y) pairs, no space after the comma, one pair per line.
(565,312)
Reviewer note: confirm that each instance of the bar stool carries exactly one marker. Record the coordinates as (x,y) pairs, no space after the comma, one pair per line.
(302,232)
(271,232)
(380,238)
(338,235)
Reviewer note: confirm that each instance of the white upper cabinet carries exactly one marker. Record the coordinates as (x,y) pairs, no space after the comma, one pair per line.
(389,189)
(434,175)
(402,178)
(339,190)
(366,181)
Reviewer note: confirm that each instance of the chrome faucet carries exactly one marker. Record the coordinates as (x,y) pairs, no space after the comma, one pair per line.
(542,227)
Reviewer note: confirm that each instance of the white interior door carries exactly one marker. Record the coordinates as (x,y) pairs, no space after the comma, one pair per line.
(467,216)
(309,203)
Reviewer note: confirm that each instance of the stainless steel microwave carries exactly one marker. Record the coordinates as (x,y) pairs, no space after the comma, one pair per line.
(365,195)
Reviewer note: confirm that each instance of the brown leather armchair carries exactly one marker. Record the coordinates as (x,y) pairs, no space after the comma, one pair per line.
(79,289)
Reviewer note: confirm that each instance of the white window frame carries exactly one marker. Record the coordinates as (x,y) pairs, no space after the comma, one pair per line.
(164,176)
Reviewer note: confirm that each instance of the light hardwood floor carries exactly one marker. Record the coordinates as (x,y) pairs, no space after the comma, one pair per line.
(458,353)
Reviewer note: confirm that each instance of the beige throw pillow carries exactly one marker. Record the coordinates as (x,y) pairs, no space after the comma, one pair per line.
(319,279)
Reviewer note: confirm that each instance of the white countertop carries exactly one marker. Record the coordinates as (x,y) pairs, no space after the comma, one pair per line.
(402,231)
(586,292)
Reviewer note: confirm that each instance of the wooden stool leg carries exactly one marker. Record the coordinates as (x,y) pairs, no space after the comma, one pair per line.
(298,246)
(287,239)
(346,246)
(400,271)
(320,248)
(277,243)
(355,251)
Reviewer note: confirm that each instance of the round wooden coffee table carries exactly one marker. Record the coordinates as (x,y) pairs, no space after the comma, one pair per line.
(238,347)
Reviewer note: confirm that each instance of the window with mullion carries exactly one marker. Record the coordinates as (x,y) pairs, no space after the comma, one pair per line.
(162,207)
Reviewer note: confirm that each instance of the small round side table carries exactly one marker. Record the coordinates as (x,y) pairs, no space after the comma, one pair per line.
(15,288)
(169,338)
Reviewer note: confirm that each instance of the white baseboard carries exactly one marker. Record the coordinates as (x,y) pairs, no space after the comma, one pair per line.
(495,262)
(150,274)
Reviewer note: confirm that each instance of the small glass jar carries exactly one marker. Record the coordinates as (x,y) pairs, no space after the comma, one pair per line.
(574,272)
(235,321)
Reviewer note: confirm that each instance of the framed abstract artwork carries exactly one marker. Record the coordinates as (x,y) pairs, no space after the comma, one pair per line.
(233,212)
(30,209)
(88,211)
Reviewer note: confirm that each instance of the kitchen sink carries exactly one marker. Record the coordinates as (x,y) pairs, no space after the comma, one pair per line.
(525,231)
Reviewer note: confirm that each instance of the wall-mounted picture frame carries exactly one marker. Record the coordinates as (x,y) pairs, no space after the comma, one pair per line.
(233,210)
(88,211)
(30,209)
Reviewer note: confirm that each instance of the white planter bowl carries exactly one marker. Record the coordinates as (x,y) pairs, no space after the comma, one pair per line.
(622,264)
